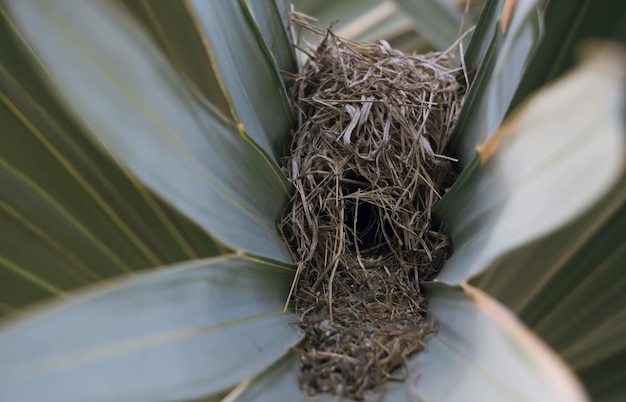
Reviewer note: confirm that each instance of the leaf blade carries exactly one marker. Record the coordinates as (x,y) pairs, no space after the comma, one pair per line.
(561,270)
(246,70)
(502,64)
(166,335)
(180,147)
(476,339)
(512,179)
(273,29)
(174,28)
(70,215)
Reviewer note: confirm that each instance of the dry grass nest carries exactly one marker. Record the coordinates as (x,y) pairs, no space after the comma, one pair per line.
(368,164)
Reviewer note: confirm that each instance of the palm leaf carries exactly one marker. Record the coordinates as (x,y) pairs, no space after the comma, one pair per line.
(247,72)
(502,64)
(272,22)
(173,27)
(161,336)
(487,354)
(208,168)
(513,199)
(70,215)
(230,81)
(548,244)
(568,24)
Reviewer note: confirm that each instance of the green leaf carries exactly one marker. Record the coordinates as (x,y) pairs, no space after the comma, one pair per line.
(219,46)
(568,24)
(174,28)
(406,25)
(278,382)
(557,157)
(574,296)
(498,75)
(69,214)
(435,20)
(193,330)
(359,20)
(541,222)
(343,12)
(394,27)
(606,381)
(175,143)
(246,71)
(272,26)
(483,34)
(481,352)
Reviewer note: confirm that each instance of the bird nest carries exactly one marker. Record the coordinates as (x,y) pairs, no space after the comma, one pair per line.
(368,164)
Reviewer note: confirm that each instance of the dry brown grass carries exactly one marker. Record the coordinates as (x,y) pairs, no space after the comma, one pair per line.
(368,164)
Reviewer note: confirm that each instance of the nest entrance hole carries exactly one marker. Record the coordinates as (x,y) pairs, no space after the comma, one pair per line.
(370,230)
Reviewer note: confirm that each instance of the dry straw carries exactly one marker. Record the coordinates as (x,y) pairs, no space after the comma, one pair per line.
(368,164)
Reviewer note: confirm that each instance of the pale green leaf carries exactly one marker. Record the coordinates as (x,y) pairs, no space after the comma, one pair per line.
(127,95)
(568,24)
(483,33)
(343,13)
(436,21)
(279,382)
(481,352)
(556,158)
(392,28)
(176,31)
(246,71)
(542,221)
(192,330)
(408,29)
(497,78)
(228,60)
(273,29)
(353,19)
(573,292)
(69,214)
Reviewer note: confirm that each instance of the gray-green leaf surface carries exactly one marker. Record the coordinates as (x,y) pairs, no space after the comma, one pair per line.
(272,26)
(192,330)
(540,224)
(69,214)
(128,96)
(549,164)
(502,64)
(482,352)
(247,71)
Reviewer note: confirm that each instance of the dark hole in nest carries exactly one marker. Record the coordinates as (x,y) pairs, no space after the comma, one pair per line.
(369,235)
(367,164)
(370,229)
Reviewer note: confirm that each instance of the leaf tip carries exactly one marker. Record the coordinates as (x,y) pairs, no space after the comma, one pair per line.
(237,391)
(507,10)
(487,148)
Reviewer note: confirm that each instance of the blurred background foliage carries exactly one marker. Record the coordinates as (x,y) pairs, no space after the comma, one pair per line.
(397,22)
